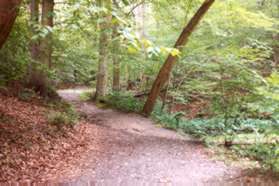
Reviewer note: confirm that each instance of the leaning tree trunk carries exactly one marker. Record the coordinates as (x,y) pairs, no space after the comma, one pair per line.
(165,70)
(102,76)
(47,22)
(8,13)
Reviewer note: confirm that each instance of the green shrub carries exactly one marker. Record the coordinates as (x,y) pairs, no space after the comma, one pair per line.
(217,126)
(85,96)
(61,119)
(170,121)
(60,105)
(26,94)
(124,101)
(14,56)
(213,126)
(267,154)
(63,114)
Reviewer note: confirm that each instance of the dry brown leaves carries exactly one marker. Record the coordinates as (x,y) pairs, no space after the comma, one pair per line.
(30,149)
(193,109)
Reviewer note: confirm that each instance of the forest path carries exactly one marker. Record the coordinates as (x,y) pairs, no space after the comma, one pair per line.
(137,152)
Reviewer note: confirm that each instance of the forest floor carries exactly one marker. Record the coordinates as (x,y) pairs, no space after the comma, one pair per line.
(106,147)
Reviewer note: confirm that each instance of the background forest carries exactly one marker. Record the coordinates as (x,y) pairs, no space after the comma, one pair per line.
(223,89)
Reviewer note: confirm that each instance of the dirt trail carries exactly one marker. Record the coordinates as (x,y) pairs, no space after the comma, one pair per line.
(140,153)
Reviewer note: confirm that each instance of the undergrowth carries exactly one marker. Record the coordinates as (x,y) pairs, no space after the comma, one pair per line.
(263,149)
(86,96)
(62,114)
(267,154)
(124,101)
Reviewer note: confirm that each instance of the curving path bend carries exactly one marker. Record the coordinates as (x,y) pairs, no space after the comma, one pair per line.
(137,152)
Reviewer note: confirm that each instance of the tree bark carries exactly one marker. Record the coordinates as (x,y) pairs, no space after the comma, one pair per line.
(166,69)
(105,25)
(46,42)
(34,19)
(115,58)
(115,55)
(41,49)
(8,13)
(34,76)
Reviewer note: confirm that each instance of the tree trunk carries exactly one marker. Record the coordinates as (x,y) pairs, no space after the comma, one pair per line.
(102,76)
(34,18)
(41,49)
(115,58)
(47,22)
(34,74)
(165,70)
(115,55)
(8,13)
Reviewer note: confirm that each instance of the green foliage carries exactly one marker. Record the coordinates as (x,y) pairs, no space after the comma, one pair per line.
(232,93)
(167,120)
(61,119)
(62,114)
(86,96)
(26,94)
(268,154)
(14,55)
(124,101)
(258,134)
(215,126)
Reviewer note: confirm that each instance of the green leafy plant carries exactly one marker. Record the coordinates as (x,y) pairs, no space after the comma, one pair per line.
(124,101)
(26,94)
(85,96)
(268,155)
(62,114)
(62,119)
